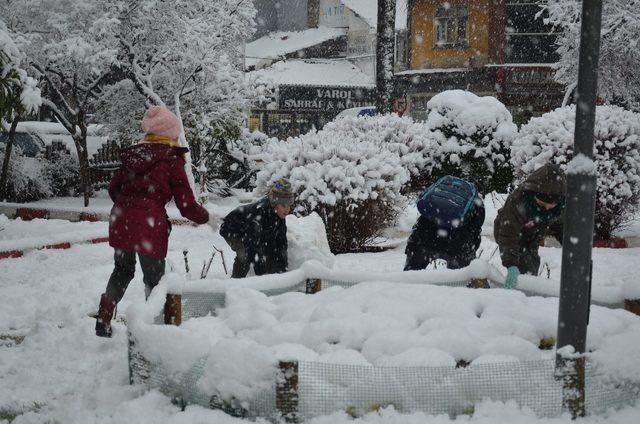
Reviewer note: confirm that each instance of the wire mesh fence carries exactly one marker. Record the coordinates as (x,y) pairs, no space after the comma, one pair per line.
(322,388)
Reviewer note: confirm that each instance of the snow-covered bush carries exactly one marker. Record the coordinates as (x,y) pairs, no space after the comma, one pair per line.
(412,141)
(28,179)
(63,173)
(474,137)
(353,184)
(549,138)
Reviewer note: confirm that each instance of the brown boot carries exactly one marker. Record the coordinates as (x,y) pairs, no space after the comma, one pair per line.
(105,314)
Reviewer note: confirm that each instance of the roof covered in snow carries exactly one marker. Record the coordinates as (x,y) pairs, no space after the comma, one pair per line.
(368,10)
(278,44)
(327,72)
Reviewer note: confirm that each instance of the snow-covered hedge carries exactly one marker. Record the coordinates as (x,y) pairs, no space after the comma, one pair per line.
(549,138)
(411,141)
(352,183)
(475,135)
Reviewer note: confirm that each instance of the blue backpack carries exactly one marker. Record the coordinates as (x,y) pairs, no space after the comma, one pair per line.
(447,201)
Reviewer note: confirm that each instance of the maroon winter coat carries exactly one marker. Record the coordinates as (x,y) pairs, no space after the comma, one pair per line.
(150,175)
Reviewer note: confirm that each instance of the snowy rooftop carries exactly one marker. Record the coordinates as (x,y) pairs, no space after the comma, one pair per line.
(326,72)
(368,10)
(277,44)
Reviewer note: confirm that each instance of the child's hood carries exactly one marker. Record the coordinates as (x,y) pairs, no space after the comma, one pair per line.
(141,157)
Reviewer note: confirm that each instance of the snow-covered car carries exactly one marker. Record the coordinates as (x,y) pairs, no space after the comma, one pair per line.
(358,111)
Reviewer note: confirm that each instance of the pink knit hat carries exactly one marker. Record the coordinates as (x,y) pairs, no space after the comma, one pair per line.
(161,121)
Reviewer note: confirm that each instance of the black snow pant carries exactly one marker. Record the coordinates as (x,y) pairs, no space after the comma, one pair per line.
(124,270)
(242,262)
(420,257)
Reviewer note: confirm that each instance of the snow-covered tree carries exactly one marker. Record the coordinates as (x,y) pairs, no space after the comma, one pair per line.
(549,138)
(19,96)
(71,46)
(352,183)
(618,77)
(187,54)
(475,134)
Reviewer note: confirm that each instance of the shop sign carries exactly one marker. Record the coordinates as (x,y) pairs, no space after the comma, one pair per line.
(330,99)
(333,14)
(360,43)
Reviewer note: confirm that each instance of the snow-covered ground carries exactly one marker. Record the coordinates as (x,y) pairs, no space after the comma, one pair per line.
(53,368)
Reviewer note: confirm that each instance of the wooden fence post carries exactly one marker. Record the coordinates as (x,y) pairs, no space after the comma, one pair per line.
(173,309)
(313,286)
(287,391)
(632,305)
(479,283)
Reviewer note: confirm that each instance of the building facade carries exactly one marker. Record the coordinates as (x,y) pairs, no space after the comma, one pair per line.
(490,47)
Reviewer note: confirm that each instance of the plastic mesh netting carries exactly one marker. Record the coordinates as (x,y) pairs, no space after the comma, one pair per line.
(323,388)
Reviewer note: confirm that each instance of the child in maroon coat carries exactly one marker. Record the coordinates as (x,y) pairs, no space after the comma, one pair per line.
(152,173)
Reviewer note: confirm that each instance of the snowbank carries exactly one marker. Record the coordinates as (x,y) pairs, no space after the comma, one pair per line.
(374,324)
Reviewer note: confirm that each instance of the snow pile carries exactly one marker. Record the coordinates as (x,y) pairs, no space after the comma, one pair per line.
(377,324)
(549,138)
(478,132)
(307,240)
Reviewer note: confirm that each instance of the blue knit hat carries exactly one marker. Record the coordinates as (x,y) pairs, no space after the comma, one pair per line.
(280,193)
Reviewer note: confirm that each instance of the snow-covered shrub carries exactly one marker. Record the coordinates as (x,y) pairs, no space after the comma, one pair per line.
(63,173)
(28,179)
(353,184)
(412,141)
(474,136)
(549,138)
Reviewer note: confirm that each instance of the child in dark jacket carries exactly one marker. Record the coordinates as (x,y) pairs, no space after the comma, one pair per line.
(151,174)
(257,233)
(432,239)
(532,211)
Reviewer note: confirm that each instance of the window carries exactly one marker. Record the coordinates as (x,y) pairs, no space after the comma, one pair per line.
(450,24)
(528,38)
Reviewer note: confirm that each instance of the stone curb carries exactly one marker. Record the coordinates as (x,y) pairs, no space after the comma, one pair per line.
(27,214)
(63,245)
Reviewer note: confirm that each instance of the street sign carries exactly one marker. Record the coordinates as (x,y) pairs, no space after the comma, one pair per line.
(400,105)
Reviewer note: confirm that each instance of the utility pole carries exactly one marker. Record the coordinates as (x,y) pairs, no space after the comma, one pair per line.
(385,41)
(575,280)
